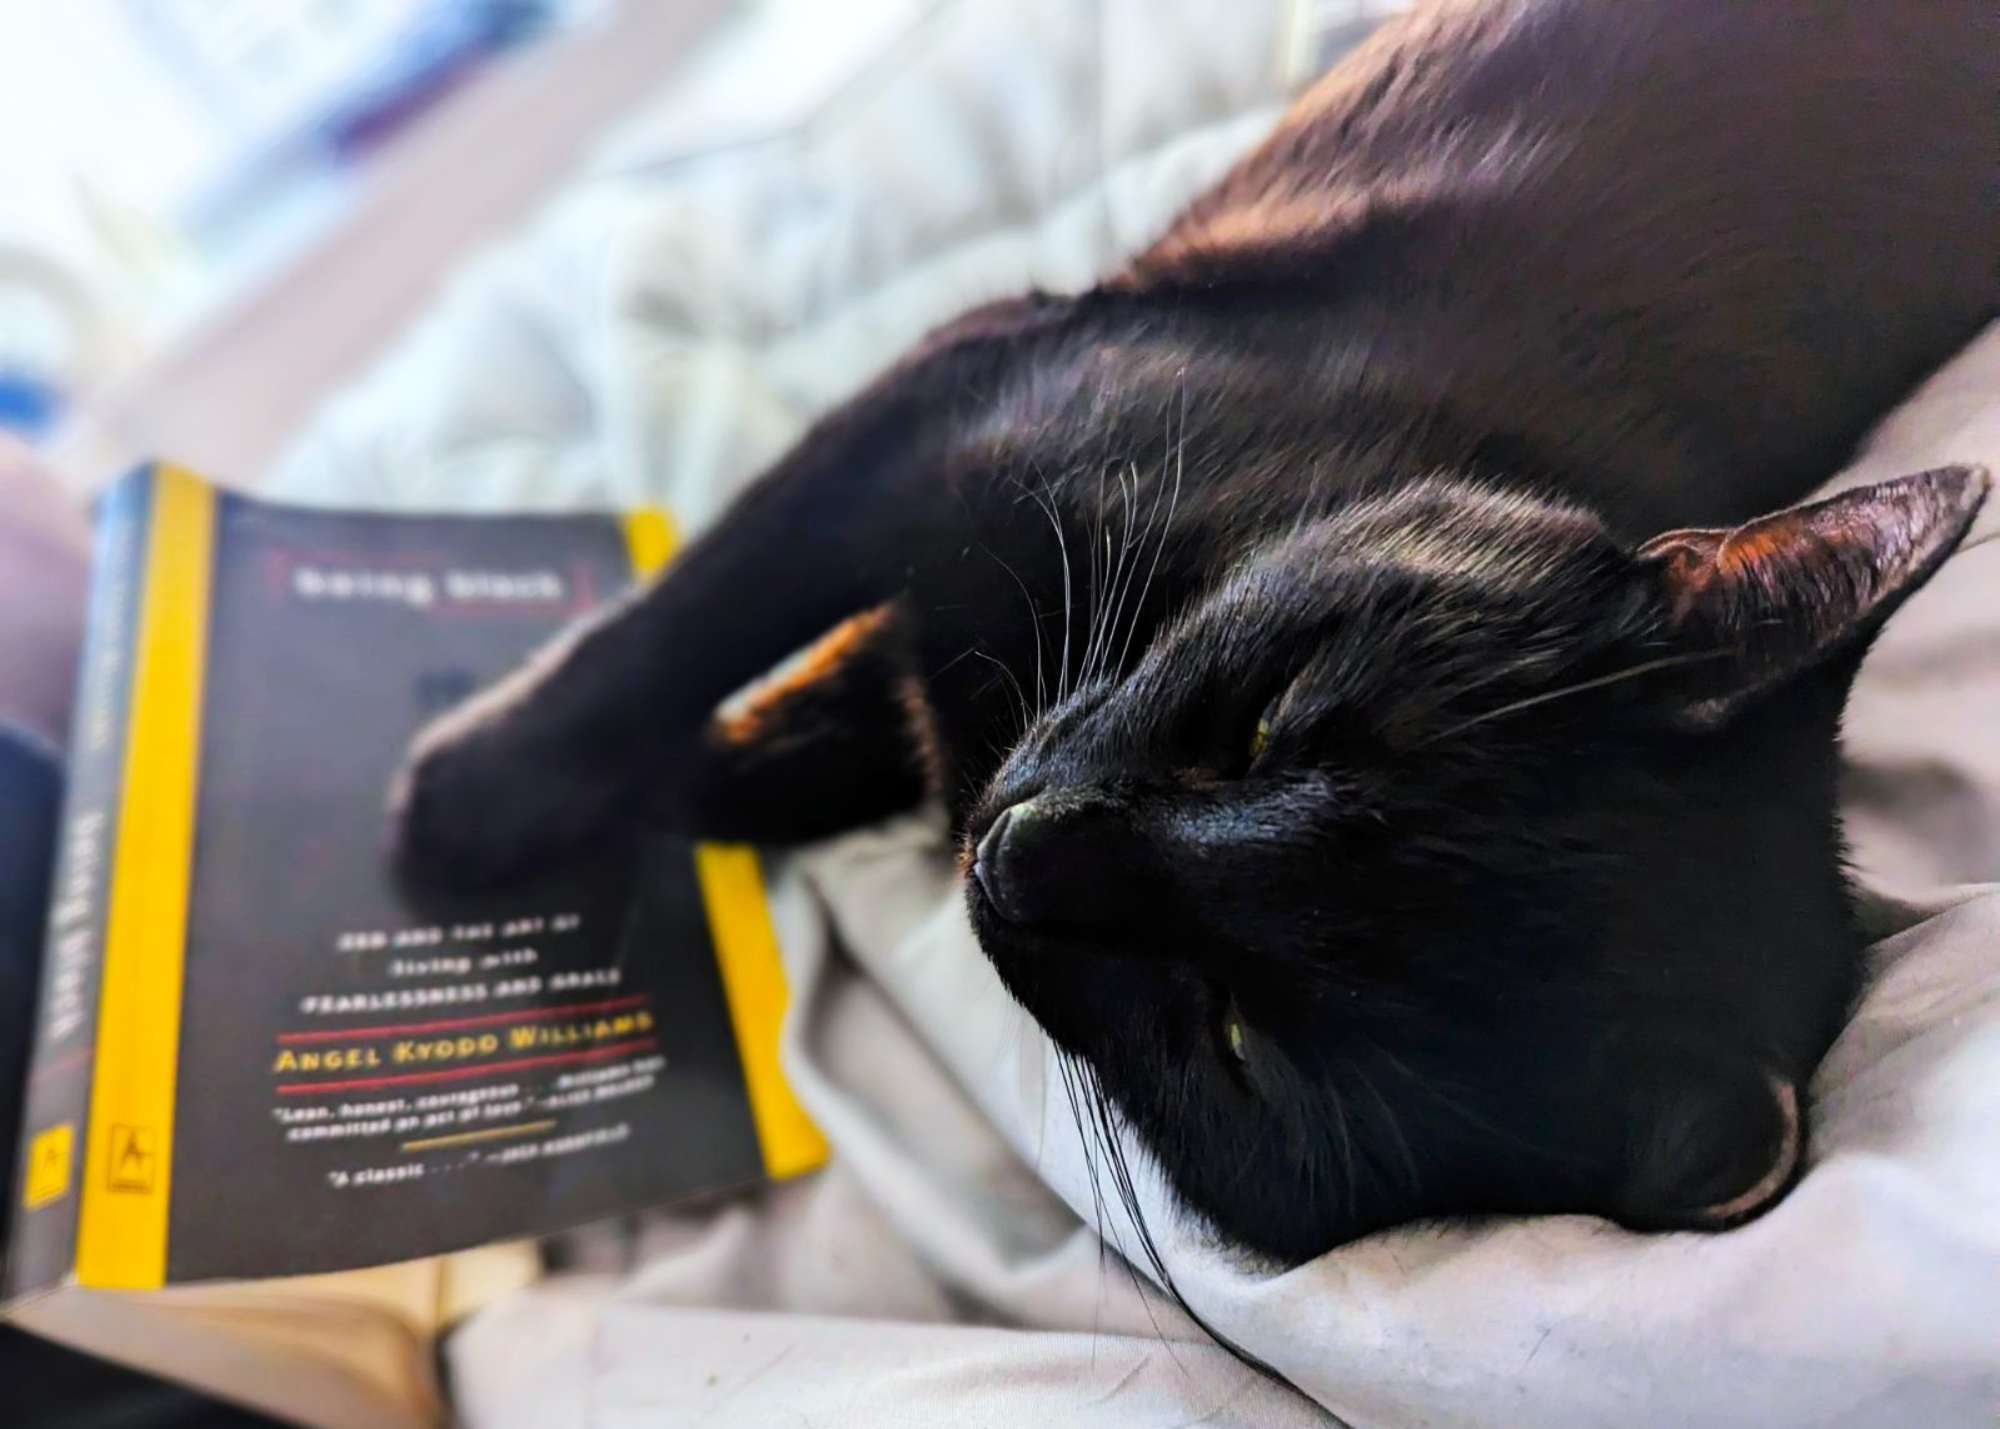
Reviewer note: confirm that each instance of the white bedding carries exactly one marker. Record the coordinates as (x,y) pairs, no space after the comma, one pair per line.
(669,329)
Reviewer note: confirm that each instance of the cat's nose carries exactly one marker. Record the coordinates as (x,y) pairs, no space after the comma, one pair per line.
(1049,858)
(995,862)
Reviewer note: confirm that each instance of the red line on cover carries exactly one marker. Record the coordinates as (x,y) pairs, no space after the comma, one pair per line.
(519,1064)
(458,1023)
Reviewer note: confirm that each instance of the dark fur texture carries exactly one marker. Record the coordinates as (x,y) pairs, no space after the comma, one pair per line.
(1383,815)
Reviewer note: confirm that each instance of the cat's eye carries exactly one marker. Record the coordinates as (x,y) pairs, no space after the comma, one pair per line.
(1229,1026)
(1260,736)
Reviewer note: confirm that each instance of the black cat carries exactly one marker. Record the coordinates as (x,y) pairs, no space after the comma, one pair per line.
(1376,807)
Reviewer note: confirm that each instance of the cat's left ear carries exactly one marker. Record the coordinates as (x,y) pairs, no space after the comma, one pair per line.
(1778,595)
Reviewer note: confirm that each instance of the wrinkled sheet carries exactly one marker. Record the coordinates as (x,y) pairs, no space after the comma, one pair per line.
(669,328)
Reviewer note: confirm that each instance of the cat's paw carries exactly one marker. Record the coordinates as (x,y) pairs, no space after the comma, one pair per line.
(485,799)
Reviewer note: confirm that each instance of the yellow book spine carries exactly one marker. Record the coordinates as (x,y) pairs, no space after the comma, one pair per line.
(128,1161)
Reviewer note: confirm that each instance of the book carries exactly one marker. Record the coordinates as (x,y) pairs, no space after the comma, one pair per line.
(262,1069)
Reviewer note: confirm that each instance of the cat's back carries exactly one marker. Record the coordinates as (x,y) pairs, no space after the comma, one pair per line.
(1651,238)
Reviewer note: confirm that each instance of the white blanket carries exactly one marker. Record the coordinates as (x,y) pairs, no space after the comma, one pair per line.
(666,332)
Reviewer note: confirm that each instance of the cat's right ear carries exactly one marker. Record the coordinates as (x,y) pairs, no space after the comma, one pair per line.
(1751,606)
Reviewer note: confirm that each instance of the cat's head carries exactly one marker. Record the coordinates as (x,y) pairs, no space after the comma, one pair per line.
(1450,855)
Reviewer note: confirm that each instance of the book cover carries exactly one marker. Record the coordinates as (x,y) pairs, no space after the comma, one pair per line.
(255,1056)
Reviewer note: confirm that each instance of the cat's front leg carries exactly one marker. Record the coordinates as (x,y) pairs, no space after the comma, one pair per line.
(560,755)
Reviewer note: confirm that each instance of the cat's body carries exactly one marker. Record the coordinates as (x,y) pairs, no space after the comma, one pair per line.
(1259,544)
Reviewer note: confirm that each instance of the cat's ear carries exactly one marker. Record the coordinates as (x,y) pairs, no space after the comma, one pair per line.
(1776,596)
(1709,1145)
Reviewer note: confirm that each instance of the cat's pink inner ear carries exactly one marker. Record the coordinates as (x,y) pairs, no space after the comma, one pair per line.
(1774,595)
(1686,567)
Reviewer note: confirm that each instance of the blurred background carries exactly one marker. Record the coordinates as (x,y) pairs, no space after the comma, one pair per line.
(213,210)
(164,156)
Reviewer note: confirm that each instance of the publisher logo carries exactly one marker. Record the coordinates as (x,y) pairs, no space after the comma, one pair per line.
(134,1158)
(49,1158)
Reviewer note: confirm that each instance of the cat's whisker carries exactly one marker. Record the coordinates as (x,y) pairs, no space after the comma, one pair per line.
(1128,490)
(1034,611)
(1116,661)
(1104,588)
(960,658)
(1068,1070)
(1020,695)
(1389,1124)
(1034,624)
(1115,571)
(1104,1120)
(1041,679)
(1129,570)
(1101,580)
(1096,586)
(1429,1087)
(1069,601)
(1631,673)
(1179,454)
(1101,589)
(1083,1091)
(1072,1071)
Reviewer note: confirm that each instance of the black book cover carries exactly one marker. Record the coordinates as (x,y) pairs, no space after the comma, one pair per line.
(263,1060)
